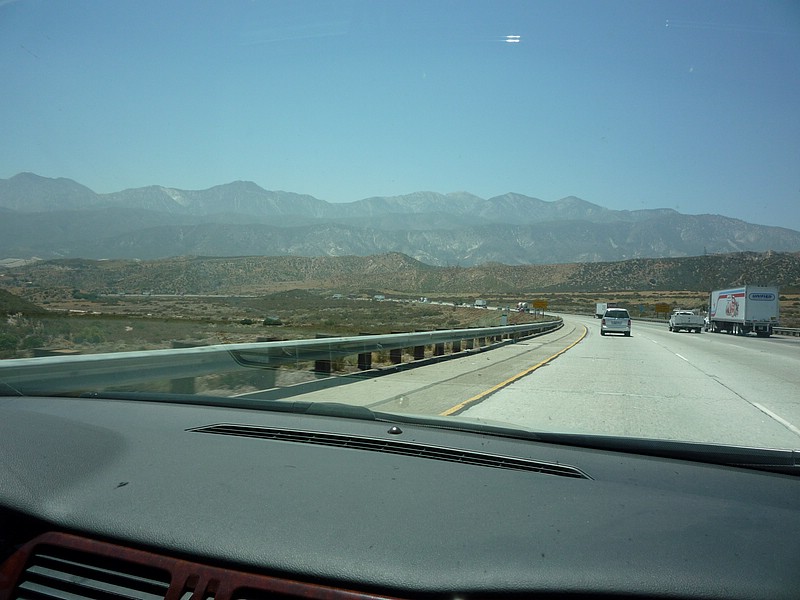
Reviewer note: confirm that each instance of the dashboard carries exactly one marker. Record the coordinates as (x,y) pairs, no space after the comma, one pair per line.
(103,498)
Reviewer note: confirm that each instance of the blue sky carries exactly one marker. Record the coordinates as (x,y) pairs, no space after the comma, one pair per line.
(642,104)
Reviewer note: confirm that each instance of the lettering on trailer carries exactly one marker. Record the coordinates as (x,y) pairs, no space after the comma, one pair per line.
(766,296)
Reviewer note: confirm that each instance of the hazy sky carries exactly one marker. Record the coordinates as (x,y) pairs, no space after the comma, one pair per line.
(689,105)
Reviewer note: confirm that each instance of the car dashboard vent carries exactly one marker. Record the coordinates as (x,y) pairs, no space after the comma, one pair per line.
(63,566)
(404,448)
(53,572)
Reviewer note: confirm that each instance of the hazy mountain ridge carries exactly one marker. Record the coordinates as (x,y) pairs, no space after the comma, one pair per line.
(52,218)
(241,197)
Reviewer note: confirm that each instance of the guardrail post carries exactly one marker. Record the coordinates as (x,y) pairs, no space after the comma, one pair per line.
(365,361)
(322,367)
(470,343)
(438,349)
(396,356)
(419,352)
(183,385)
(365,358)
(456,346)
(266,379)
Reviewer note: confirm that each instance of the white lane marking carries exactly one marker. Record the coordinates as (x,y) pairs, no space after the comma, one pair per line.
(778,418)
(681,357)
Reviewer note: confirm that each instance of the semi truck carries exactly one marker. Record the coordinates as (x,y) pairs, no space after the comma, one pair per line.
(743,310)
(601,307)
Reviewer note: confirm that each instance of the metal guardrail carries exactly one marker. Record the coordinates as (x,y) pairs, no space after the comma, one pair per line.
(69,374)
(786,331)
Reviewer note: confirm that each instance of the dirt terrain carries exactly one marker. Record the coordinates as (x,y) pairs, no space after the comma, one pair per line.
(111,306)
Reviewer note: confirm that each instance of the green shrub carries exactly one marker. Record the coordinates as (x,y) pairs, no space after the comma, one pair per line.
(8,341)
(33,341)
(91,335)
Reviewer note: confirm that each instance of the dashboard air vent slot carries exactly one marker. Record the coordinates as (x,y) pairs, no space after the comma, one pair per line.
(54,573)
(62,566)
(404,448)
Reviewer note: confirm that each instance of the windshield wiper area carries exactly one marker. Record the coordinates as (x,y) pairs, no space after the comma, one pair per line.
(329,409)
(773,460)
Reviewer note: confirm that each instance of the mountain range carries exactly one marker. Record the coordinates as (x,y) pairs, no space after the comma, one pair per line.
(60,218)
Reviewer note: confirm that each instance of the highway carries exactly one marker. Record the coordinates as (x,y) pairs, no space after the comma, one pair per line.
(703,387)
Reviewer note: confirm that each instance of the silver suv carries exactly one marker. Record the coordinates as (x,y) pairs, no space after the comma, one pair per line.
(615,320)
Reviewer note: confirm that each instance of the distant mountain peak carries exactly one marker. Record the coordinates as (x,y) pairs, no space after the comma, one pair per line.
(177,195)
(575,201)
(28,176)
(243,185)
(29,192)
(572,200)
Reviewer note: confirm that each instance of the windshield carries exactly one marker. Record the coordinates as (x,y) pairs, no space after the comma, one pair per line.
(417,208)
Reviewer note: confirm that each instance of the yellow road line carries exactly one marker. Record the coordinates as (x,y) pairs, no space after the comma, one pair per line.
(477,398)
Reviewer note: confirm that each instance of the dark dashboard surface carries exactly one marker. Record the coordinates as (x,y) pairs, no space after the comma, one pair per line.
(416,510)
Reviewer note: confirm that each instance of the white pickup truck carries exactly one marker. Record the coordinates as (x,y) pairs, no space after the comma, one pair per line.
(686,319)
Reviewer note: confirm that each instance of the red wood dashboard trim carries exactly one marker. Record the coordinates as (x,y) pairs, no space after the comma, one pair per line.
(204,581)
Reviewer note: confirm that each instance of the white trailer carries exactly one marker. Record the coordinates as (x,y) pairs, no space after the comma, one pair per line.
(743,310)
(601,308)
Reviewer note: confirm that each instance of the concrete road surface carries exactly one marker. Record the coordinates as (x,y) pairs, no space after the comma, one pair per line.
(699,387)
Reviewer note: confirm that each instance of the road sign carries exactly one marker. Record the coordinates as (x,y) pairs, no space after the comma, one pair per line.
(541,304)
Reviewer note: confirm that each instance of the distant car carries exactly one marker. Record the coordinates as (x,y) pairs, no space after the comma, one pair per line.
(615,320)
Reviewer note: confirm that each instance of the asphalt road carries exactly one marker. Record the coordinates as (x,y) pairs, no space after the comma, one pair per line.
(702,387)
